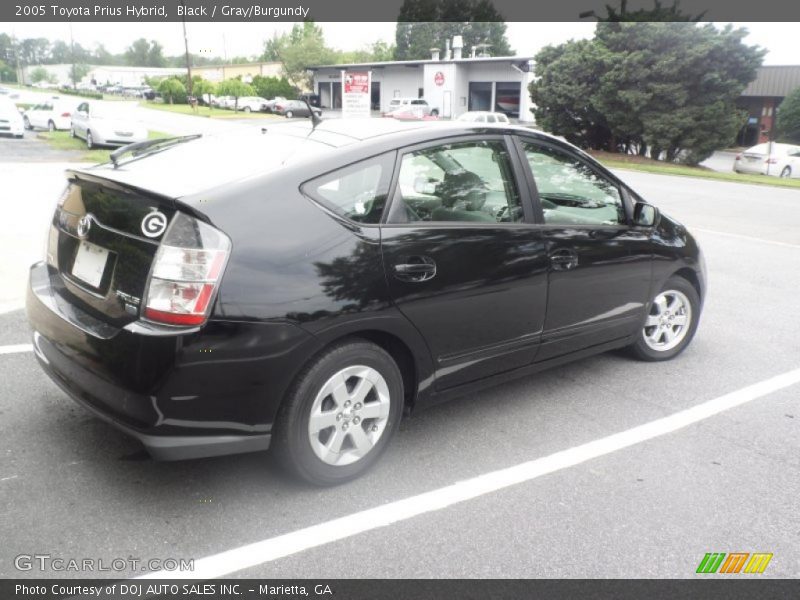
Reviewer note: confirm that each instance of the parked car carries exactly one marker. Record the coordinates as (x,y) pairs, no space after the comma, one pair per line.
(484,116)
(269,106)
(104,124)
(302,286)
(252,104)
(416,106)
(312,99)
(11,122)
(781,160)
(294,108)
(52,115)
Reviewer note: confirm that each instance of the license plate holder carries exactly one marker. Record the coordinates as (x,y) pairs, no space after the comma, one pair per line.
(90,264)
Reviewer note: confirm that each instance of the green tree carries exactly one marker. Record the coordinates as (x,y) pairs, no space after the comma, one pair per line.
(77,72)
(270,87)
(6,72)
(788,121)
(39,74)
(202,88)
(236,88)
(172,88)
(303,46)
(142,53)
(667,89)
(426,24)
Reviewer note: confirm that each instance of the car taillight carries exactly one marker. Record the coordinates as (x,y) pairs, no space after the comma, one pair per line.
(66,114)
(771,161)
(187,271)
(738,156)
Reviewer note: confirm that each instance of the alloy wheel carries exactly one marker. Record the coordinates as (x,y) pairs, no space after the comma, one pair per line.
(349,415)
(787,172)
(669,321)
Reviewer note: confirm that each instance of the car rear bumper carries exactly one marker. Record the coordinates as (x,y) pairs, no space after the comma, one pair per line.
(168,391)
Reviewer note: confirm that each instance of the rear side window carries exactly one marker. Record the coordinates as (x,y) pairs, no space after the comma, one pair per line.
(357,192)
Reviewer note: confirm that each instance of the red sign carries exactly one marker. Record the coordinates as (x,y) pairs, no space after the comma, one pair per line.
(356,82)
(438,79)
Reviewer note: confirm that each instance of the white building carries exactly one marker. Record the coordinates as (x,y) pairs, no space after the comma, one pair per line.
(103,74)
(453,84)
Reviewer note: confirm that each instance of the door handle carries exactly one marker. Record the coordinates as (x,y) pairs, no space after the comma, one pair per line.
(415,269)
(563,259)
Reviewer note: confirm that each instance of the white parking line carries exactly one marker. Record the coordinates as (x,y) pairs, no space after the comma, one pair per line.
(15,348)
(257,553)
(7,307)
(749,238)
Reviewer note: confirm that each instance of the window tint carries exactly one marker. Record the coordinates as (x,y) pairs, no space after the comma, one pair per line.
(465,181)
(490,119)
(357,192)
(570,192)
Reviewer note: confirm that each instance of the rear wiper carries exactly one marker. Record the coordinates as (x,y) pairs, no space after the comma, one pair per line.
(141,149)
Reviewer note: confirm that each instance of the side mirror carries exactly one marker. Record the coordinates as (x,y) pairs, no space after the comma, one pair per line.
(645,215)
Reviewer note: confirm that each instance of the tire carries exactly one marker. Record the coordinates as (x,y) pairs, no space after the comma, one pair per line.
(72,132)
(434,113)
(51,126)
(305,447)
(26,123)
(787,172)
(677,302)
(289,114)
(246,109)
(89,140)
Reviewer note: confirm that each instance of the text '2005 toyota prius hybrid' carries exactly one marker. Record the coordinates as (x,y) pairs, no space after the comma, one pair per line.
(302,286)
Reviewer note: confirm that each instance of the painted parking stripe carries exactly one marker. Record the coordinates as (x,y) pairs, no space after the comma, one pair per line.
(251,555)
(15,348)
(749,238)
(7,307)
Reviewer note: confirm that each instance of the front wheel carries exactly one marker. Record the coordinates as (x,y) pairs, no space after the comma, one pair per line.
(341,413)
(289,114)
(434,113)
(27,123)
(786,173)
(51,126)
(89,140)
(246,109)
(670,324)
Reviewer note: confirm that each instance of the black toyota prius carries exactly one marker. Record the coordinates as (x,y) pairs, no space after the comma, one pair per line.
(303,286)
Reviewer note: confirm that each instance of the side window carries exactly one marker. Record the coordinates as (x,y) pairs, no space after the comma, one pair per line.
(464,181)
(570,192)
(357,192)
(490,119)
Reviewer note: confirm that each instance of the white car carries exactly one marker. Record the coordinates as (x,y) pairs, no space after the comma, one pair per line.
(782,160)
(11,122)
(484,116)
(418,106)
(103,124)
(252,103)
(52,115)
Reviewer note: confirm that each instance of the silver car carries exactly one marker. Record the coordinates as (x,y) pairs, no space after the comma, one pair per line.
(780,160)
(101,124)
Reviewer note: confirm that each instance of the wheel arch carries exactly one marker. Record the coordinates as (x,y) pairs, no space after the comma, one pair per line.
(691,276)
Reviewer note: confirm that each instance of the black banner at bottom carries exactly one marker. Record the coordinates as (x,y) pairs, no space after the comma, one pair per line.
(399,589)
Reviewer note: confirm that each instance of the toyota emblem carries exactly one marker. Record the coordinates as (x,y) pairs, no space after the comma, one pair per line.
(84,225)
(154,224)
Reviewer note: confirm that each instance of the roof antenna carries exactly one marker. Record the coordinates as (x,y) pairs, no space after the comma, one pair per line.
(315,120)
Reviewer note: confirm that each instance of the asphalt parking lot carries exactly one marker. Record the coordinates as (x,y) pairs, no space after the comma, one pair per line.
(73,487)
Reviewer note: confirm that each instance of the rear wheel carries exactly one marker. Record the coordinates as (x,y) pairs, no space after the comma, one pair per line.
(246,109)
(434,113)
(51,126)
(341,413)
(289,114)
(787,172)
(671,322)
(72,132)
(27,123)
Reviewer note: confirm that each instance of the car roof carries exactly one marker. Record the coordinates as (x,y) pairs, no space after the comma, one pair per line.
(260,151)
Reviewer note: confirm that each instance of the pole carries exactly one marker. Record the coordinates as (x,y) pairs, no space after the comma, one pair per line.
(72,73)
(188,56)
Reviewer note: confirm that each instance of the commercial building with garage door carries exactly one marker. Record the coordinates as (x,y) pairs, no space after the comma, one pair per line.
(451,84)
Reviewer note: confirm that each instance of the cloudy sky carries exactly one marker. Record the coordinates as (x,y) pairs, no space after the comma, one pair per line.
(246,39)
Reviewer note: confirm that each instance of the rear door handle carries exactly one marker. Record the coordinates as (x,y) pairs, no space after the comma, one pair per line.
(563,259)
(415,269)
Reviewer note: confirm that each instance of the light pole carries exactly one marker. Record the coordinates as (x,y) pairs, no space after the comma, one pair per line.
(188,58)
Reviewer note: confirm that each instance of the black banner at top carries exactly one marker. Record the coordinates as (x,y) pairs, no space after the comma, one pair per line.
(12,11)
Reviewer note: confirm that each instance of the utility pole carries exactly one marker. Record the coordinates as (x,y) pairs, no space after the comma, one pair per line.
(72,73)
(188,58)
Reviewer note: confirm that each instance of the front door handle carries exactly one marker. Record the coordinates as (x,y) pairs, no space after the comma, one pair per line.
(415,269)
(563,259)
